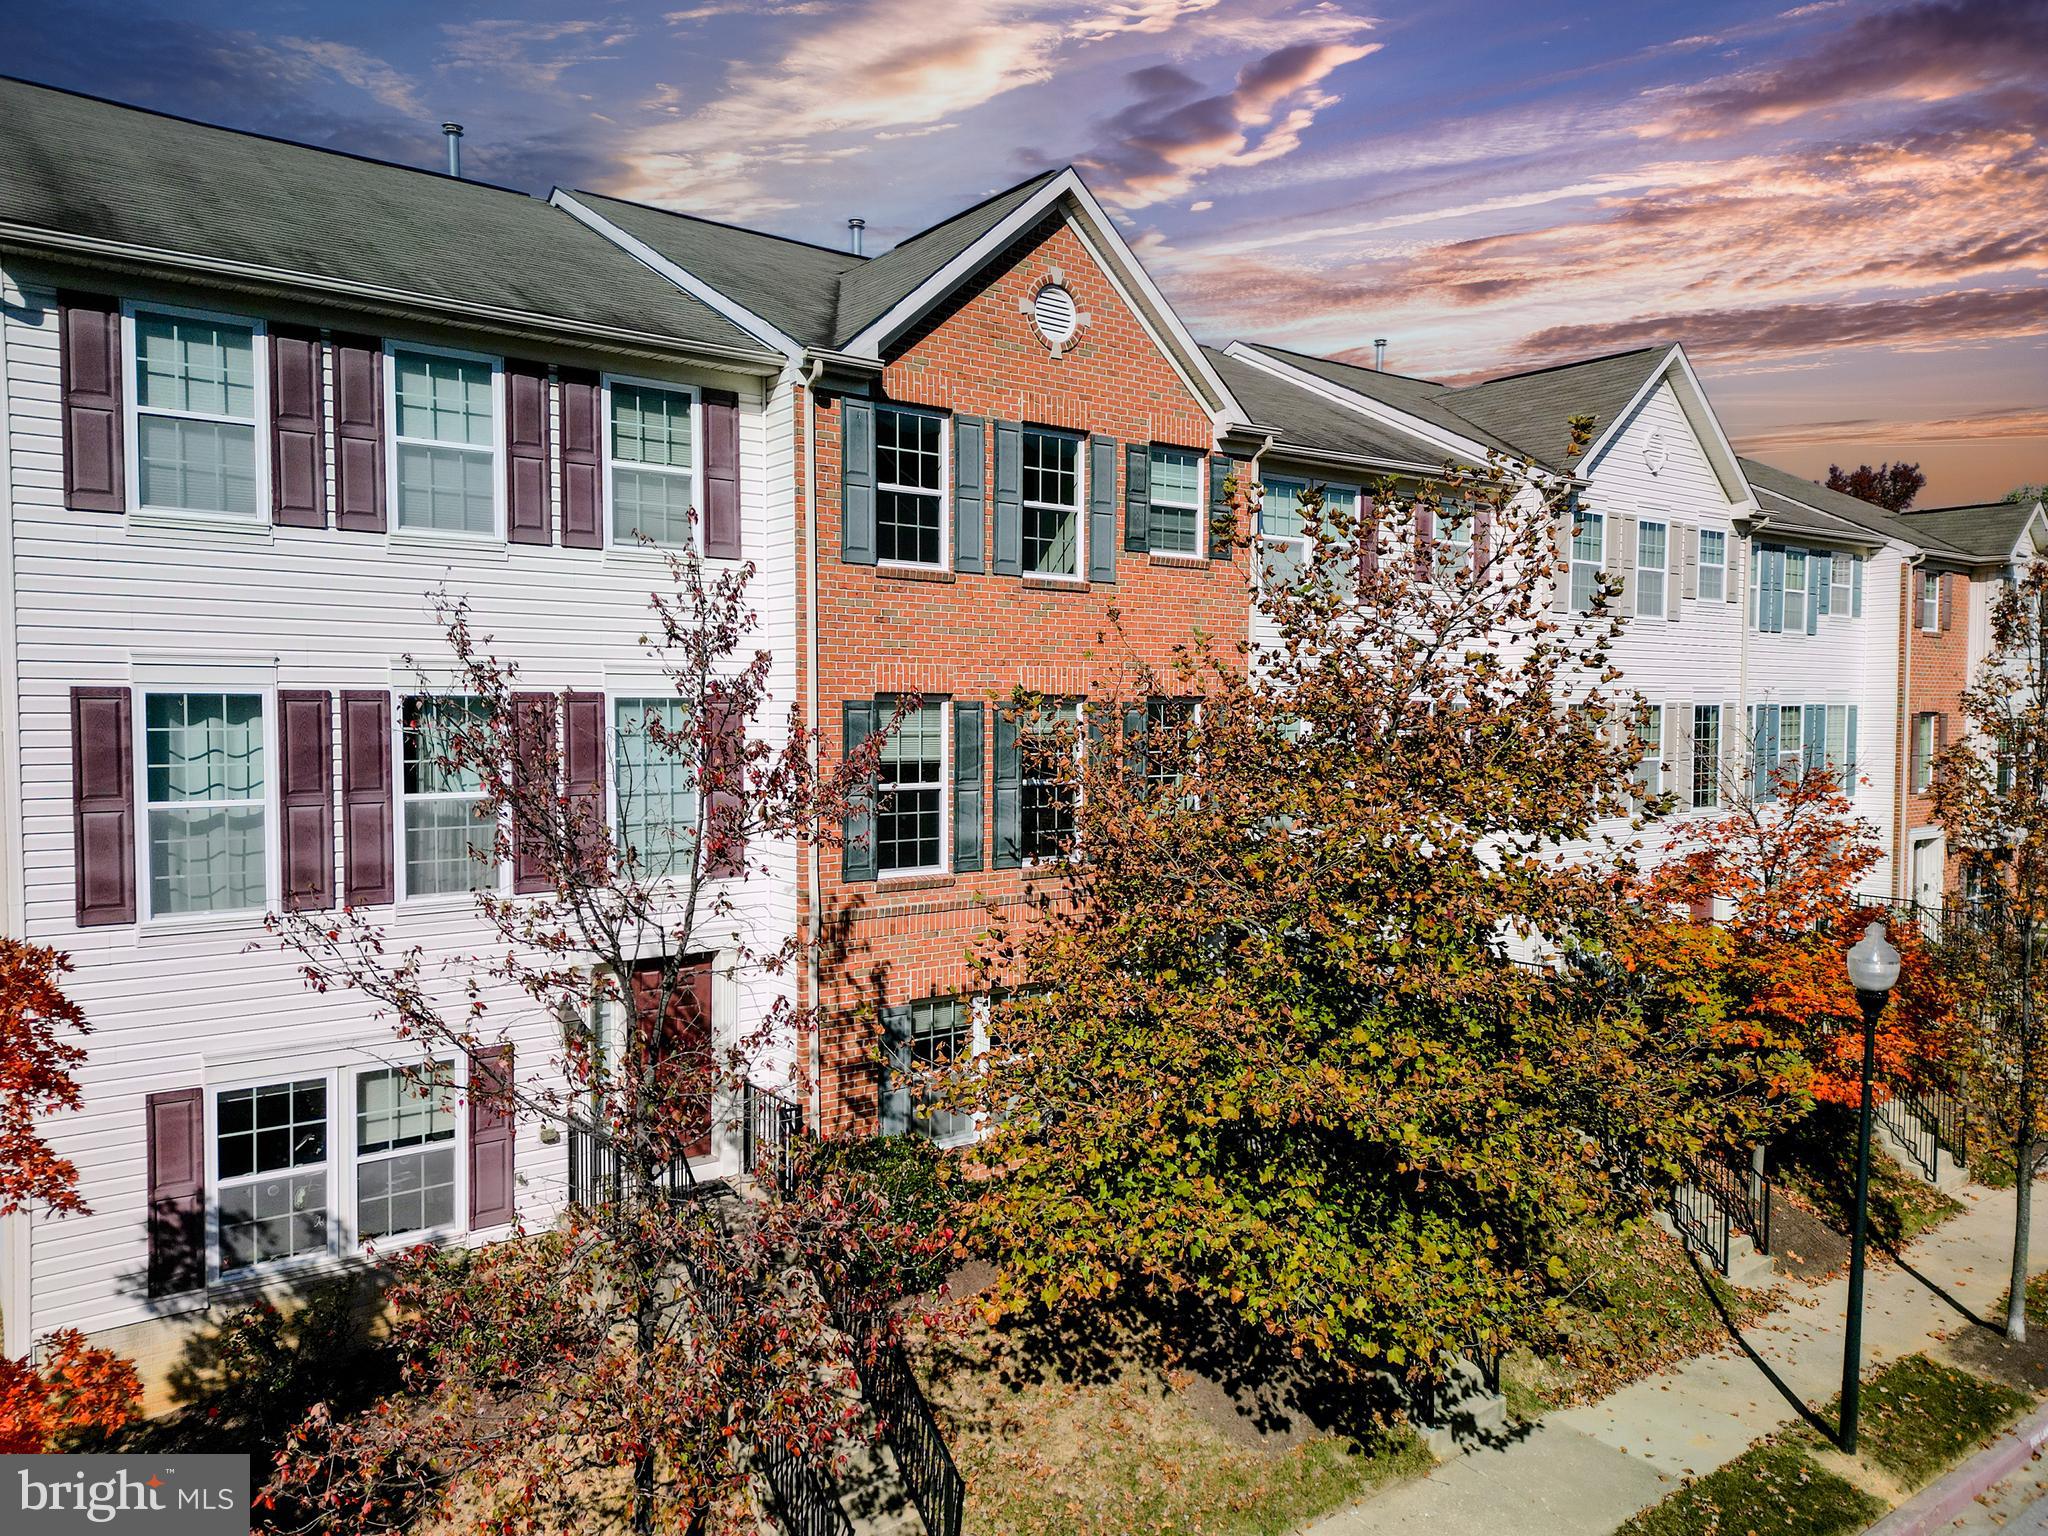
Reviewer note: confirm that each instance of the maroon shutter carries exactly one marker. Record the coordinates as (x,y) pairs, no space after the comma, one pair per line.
(583,764)
(89,372)
(103,805)
(582,479)
(529,520)
(305,739)
(1425,539)
(533,757)
(359,434)
(490,1136)
(721,474)
(1482,538)
(176,1133)
(367,877)
(725,773)
(298,446)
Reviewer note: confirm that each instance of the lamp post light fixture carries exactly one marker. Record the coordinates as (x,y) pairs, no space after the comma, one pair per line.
(1873,971)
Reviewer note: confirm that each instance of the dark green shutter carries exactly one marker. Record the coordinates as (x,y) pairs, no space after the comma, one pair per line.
(1137,498)
(1222,524)
(1009,795)
(1134,741)
(857,482)
(858,860)
(1102,509)
(898,1066)
(968,770)
(1849,750)
(1009,512)
(1767,751)
(1770,593)
(970,492)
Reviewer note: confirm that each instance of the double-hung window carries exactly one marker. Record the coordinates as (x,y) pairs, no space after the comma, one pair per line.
(1653,568)
(654,791)
(1048,748)
(1713,573)
(1791,742)
(405,1150)
(910,808)
(1841,588)
(1706,756)
(1930,601)
(1453,540)
(1795,591)
(910,475)
(1167,723)
(1924,735)
(448,842)
(1589,552)
(1175,514)
(1837,745)
(653,464)
(1283,530)
(197,402)
(1052,504)
(932,1038)
(1649,774)
(445,435)
(271,1172)
(205,790)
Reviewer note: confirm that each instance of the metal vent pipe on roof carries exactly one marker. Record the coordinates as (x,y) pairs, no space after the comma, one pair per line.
(853,229)
(454,133)
(1379,354)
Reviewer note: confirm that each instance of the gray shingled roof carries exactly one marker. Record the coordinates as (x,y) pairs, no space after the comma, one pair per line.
(1984,532)
(1533,410)
(74,165)
(1421,398)
(1785,496)
(1309,422)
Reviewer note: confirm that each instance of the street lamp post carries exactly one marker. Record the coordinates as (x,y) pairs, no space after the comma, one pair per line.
(1873,971)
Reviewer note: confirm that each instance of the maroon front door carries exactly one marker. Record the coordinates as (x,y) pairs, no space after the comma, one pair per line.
(683,1042)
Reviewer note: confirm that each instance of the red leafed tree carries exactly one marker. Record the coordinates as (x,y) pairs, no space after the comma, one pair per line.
(75,1389)
(634,1357)
(1786,868)
(1891,486)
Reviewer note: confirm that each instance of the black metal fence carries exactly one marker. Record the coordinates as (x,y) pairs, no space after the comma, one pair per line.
(907,1423)
(1702,1223)
(1743,1193)
(800,1496)
(1926,1121)
(770,1127)
(596,1178)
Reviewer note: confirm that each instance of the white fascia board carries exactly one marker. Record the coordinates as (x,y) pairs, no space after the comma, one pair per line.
(1362,405)
(683,278)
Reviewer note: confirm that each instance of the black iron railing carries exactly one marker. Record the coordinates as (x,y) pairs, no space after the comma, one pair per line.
(800,1497)
(1702,1223)
(1743,1193)
(1926,1121)
(770,1128)
(595,1177)
(906,1420)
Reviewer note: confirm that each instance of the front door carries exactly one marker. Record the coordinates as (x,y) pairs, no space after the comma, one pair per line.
(1929,855)
(684,1041)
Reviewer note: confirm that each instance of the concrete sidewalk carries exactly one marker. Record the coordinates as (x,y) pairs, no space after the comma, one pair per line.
(1582,1471)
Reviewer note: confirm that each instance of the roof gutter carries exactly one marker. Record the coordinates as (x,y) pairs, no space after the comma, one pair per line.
(125,256)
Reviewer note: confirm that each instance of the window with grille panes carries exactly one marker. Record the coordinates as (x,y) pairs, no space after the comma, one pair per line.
(448,842)
(653,465)
(444,429)
(1589,550)
(1048,747)
(1649,774)
(1706,755)
(205,789)
(1795,591)
(1713,575)
(271,1189)
(195,415)
(1176,507)
(1283,529)
(1924,732)
(1791,741)
(940,1037)
(910,806)
(1167,722)
(910,503)
(1652,569)
(1052,504)
(653,788)
(1452,540)
(404,1150)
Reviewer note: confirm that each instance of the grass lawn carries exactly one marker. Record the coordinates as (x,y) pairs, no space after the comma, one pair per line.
(1920,1417)
(1771,1489)
(1130,1448)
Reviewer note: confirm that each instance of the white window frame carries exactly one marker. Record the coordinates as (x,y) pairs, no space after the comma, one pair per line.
(696,470)
(1580,516)
(945,492)
(1448,556)
(1710,785)
(1080,724)
(266,1075)
(1662,585)
(977,1008)
(1795,716)
(1649,773)
(392,441)
(458,1143)
(616,694)
(1919,769)
(402,872)
(1079,577)
(945,786)
(1719,567)
(1793,618)
(1841,585)
(132,410)
(144,875)
(1927,603)
(1295,485)
(1200,507)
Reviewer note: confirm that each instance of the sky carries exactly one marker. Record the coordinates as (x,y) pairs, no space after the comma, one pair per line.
(1840,208)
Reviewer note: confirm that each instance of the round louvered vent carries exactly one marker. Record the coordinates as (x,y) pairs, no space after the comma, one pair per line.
(1053,312)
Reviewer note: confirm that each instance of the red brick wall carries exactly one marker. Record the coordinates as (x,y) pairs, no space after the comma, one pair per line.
(980,637)
(1939,672)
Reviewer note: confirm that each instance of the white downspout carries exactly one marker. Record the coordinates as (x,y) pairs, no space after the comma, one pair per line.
(1742,647)
(814,880)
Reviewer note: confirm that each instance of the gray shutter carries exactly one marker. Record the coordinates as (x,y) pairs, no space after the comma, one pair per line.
(1009,508)
(89,385)
(305,752)
(893,1098)
(1222,537)
(1816,569)
(1849,747)
(582,474)
(1624,561)
(1821,571)
(1008,786)
(1137,498)
(970,494)
(1767,751)
(1674,572)
(1856,588)
(1770,589)
(1732,589)
(1689,540)
(969,772)
(856,482)
(721,493)
(1813,744)
(857,858)
(174,1131)
(491,1187)
(1678,742)
(1102,509)
(298,429)
(528,517)
(102,806)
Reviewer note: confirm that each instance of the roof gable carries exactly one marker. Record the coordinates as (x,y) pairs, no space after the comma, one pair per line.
(1780,492)
(1533,410)
(1991,531)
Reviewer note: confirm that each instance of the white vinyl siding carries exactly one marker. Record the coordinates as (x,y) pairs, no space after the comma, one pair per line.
(652,464)
(447,843)
(654,795)
(195,414)
(444,429)
(204,787)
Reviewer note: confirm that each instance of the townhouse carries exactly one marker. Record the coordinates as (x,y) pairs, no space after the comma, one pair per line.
(261,401)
